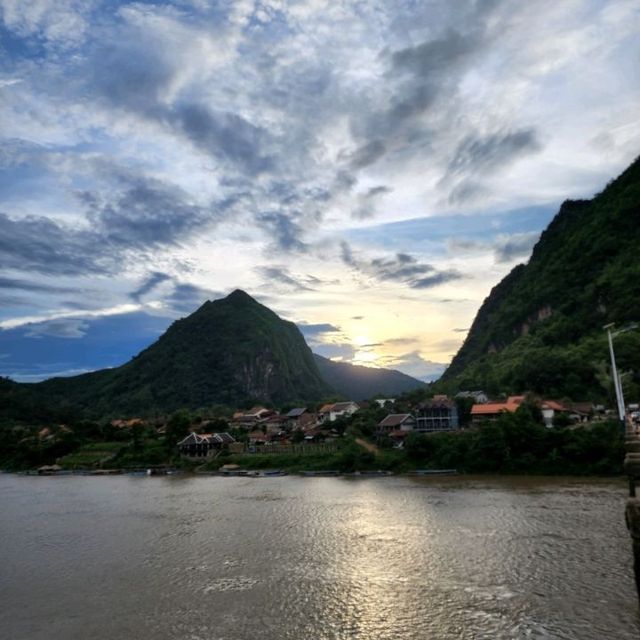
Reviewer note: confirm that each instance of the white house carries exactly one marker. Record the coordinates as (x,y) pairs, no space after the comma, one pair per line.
(331,412)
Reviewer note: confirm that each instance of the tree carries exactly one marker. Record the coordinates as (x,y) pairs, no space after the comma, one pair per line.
(177,428)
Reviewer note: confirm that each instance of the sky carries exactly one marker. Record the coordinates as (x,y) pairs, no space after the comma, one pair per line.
(367,169)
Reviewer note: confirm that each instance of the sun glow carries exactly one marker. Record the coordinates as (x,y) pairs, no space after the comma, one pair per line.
(366,358)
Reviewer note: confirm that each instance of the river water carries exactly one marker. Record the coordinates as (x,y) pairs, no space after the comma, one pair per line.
(314,558)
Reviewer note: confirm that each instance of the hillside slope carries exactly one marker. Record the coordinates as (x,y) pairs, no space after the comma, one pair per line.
(359,383)
(540,328)
(229,351)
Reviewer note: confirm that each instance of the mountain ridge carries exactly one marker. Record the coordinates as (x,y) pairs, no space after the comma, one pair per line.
(233,351)
(540,328)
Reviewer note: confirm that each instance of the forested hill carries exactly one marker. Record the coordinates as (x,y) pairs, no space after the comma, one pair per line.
(540,328)
(230,351)
(360,383)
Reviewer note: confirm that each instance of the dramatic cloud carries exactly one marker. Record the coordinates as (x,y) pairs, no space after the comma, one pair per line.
(480,154)
(62,328)
(33,287)
(505,247)
(286,233)
(402,268)
(44,246)
(151,148)
(515,246)
(150,283)
(186,298)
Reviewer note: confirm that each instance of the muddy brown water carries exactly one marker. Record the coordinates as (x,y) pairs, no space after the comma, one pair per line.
(188,558)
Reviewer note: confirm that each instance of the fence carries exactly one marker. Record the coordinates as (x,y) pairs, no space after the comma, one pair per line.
(301,449)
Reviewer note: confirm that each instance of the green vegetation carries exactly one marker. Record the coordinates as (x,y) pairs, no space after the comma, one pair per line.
(348,458)
(233,352)
(540,329)
(515,444)
(359,383)
(91,455)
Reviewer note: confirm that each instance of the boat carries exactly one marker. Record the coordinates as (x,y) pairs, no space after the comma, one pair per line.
(320,474)
(433,472)
(372,474)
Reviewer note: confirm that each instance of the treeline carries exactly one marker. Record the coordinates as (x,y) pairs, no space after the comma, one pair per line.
(517,443)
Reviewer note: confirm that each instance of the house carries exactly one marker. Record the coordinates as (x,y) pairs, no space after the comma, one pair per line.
(127,424)
(275,423)
(397,422)
(490,411)
(331,412)
(297,417)
(479,397)
(381,402)
(438,414)
(576,412)
(251,417)
(204,444)
(314,434)
(259,438)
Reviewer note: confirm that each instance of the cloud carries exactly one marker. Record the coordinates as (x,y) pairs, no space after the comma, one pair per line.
(186,298)
(414,364)
(279,275)
(60,328)
(144,212)
(367,154)
(282,276)
(223,134)
(132,215)
(314,331)
(150,283)
(366,202)
(505,247)
(44,246)
(402,268)
(480,154)
(401,341)
(286,233)
(33,287)
(179,133)
(515,246)
(59,23)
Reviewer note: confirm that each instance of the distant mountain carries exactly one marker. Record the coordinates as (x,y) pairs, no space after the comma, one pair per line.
(540,329)
(230,351)
(358,383)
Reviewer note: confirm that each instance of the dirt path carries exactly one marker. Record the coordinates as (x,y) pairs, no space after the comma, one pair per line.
(367,445)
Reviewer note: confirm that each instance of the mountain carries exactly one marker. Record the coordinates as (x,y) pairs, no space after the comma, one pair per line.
(230,351)
(358,383)
(540,328)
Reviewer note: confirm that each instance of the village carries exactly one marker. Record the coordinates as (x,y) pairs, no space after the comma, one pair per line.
(383,432)
(262,430)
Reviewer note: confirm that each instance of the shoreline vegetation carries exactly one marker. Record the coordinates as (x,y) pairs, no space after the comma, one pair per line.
(514,444)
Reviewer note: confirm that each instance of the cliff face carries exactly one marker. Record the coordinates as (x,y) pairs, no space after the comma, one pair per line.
(229,351)
(547,315)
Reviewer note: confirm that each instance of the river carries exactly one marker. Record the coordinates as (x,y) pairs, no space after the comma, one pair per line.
(205,558)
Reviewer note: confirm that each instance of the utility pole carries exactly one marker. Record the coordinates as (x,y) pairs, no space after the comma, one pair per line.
(614,373)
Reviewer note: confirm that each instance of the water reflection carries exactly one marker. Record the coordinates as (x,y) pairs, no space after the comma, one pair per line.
(175,558)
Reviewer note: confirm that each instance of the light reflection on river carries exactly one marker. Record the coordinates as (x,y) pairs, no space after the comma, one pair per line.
(319,558)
